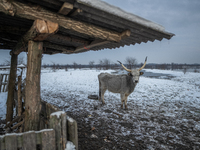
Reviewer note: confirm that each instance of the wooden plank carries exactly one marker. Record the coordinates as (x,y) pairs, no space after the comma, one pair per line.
(66,8)
(2,143)
(59,47)
(72,131)
(1,79)
(33,13)
(93,44)
(10,138)
(32,90)
(48,140)
(11,88)
(39,31)
(58,123)
(19,96)
(29,140)
(58,38)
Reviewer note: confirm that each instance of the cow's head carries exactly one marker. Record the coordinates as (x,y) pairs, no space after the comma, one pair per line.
(135,73)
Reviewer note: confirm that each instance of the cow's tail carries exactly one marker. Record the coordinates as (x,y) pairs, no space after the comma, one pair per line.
(99,89)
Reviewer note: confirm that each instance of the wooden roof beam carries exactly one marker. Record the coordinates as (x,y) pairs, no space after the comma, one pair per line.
(66,8)
(64,49)
(95,43)
(39,31)
(34,12)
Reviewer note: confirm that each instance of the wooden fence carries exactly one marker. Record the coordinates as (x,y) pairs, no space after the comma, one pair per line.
(4,82)
(62,129)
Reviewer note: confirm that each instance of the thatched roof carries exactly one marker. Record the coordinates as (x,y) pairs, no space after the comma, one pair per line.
(81,25)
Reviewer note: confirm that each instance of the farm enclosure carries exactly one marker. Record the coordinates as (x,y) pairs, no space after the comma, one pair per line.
(163,112)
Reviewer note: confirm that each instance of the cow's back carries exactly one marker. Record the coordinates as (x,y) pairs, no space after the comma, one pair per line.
(111,82)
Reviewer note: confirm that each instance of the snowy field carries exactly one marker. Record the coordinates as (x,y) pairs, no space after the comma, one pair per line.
(163,112)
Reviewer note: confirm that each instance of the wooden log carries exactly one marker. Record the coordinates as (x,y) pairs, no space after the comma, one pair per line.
(14,120)
(72,134)
(33,13)
(11,88)
(93,44)
(123,35)
(17,125)
(59,47)
(58,123)
(58,38)
(32,90)
(29,140)
(19,96)
(10,138)
(66,8)
(39,31)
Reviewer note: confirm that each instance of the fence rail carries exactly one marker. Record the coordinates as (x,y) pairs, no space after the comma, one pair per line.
(4,82)
(61,128)
(45,139)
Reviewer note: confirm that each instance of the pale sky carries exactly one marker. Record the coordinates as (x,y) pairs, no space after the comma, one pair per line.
(181,17)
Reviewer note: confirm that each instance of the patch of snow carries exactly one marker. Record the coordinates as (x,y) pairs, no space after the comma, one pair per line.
(57,113)
(70,146)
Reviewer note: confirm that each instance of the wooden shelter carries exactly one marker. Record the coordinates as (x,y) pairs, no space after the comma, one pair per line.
(64,26)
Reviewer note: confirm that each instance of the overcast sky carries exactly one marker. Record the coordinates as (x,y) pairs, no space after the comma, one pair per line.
(181,17)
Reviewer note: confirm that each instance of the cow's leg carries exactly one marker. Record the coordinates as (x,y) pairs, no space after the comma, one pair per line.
(122,99)
(102,95)
(126,97)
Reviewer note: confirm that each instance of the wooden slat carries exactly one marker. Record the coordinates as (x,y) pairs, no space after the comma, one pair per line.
(72,131)
(58,123)
(93,44)
(1,78)
(66,8)
(29,140)
(48,140)
(58,47)
(11,142)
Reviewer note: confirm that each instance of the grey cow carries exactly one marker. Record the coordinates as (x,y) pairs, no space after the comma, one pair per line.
(123,84)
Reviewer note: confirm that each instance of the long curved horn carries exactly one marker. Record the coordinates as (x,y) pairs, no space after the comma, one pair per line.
(143,65)
(124,67)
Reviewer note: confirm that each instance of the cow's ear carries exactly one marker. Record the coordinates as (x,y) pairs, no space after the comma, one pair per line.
(141,73)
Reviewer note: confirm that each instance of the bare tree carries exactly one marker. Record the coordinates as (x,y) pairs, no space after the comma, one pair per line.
(100,64)
(75,65)
(91,64)
(106,63)
(131,62)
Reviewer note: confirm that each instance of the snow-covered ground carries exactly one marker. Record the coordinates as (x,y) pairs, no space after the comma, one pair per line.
(164,113)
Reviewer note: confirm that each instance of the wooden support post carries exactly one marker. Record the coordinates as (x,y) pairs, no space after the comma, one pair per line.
(58,123)
(19,96)
(11,88)
(32,90)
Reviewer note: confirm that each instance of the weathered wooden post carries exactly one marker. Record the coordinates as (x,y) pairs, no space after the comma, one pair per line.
(58,123)
(11,87)
(19,96)
(32,90)
(72,134)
